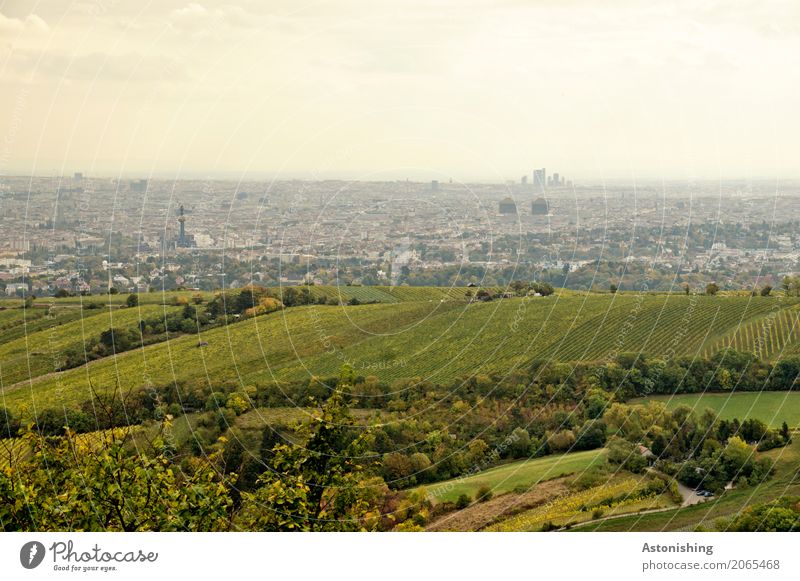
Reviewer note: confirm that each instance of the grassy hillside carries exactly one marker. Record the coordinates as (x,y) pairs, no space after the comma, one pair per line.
(40,347)
(436,339)
(771,407)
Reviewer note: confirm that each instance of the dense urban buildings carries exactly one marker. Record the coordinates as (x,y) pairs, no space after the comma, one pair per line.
(83,234)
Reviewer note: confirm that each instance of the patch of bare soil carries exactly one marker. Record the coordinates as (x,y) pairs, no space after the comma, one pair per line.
(481,514)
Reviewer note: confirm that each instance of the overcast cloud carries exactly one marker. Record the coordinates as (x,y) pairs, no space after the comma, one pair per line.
(468,89)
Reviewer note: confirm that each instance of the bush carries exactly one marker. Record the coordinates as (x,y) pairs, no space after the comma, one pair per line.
(463,501)
(484,493)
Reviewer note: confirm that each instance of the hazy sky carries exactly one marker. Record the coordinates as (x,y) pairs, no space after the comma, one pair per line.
(438,88)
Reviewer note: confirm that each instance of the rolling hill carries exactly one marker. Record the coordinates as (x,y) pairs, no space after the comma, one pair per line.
(433,333)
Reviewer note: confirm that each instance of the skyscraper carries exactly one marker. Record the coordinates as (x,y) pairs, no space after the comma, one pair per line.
(539,178)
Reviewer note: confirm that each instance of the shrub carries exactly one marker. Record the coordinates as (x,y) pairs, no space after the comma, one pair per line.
(463,501)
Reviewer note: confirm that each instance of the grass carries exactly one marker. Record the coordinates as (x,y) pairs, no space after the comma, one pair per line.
(771,407)
(508,477)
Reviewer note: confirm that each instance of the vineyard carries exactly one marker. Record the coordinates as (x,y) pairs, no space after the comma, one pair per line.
(390,294)
(413,336)
(617,496)
(768,337)
(41,349)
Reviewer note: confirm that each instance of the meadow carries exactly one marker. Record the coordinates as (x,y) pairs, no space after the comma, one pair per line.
(771,407)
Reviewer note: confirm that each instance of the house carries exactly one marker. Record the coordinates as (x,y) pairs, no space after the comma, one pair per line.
(647,453)
(15,288)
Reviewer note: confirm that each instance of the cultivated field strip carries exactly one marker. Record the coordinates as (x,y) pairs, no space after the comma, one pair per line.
(767,337)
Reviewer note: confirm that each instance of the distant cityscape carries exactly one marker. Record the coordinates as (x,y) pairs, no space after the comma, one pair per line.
(85,235)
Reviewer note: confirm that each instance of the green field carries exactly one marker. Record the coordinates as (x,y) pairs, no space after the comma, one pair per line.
(438,339)
(771,407)
(41,349)
(524,473)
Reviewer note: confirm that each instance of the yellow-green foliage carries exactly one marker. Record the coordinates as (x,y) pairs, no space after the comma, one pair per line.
(265,306)
(579,506)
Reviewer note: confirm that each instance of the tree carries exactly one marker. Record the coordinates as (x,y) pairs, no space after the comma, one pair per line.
(712,289)
(9,425)
(132,300)
(737,455)
(91,486)
(626,455)
(61,293)
(113,291)
(780,515)
(785,433)
(317,485)
(484,493)
(686,288)
(396,468)
(520,443)
(612,288)
(766,290)
(592,435)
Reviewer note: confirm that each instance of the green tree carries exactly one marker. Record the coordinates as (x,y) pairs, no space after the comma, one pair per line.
(785,433)
(316,485)
(520,443)
(780,515)
(712,289)
(69,483)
